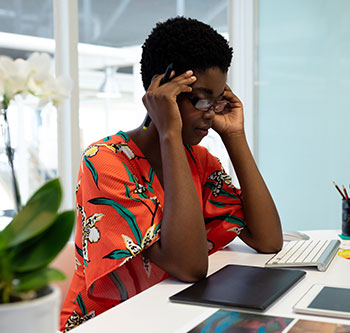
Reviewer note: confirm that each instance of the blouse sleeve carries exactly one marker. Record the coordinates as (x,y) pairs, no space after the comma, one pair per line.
(222,204)
(120,214)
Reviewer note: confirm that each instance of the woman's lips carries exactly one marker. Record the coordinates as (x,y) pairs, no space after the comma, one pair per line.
(202,131)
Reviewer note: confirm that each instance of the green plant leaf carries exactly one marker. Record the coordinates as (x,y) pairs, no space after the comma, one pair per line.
(52,186)
(36,216)
(5,269)
(38,279)
(2,241)
(41,250)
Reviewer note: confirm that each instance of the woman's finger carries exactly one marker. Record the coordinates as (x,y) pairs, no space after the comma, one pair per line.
(175,86)
(231,97)
(155,82)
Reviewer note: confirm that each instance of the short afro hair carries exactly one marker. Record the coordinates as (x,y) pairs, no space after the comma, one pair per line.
(188,44)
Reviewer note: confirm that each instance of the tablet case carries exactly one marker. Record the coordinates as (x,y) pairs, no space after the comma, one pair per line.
(240,286)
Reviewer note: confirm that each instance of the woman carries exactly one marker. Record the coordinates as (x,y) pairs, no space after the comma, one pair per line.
(152,202)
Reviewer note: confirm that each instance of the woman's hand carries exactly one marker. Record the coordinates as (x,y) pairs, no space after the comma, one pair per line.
(231,120)
(160,101)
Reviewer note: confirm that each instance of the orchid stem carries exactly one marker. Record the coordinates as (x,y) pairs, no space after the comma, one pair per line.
(10,157)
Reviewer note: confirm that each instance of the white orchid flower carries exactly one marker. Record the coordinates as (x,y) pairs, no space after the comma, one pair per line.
(13,77)
(39,72)
(39,63)
(55,90)
(33,77)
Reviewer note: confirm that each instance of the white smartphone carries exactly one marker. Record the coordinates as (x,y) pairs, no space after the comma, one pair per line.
(332,301)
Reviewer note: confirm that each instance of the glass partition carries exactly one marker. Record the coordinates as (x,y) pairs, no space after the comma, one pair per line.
(303,125)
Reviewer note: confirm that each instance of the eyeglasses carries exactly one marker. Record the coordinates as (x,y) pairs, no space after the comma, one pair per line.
(206,104)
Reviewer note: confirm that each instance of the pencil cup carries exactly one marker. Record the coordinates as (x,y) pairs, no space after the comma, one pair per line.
(345,228)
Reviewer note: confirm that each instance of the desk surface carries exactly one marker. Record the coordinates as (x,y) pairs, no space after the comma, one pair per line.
(151,310)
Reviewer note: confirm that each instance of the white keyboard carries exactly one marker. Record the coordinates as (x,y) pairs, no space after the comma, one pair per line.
(300,253)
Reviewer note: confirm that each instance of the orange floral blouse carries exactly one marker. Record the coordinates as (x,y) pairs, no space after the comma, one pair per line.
(119,203)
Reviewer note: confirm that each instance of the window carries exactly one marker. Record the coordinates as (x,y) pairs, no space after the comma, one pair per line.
(110,86)
(32,129)
(111,33)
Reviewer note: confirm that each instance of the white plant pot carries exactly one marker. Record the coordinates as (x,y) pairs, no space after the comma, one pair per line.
(39,315)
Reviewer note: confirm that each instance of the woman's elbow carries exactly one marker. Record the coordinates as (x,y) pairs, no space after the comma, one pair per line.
(270,247)
(192,273)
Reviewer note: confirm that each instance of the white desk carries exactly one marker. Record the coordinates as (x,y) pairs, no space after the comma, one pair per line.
(151,311)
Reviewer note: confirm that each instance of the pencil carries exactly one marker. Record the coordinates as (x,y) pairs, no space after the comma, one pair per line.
(346,193)
(338,189)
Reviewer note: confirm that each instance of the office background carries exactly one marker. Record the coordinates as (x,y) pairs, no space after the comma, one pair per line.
(291,68)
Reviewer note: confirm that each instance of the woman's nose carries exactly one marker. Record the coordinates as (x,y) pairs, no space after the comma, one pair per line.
(210,113)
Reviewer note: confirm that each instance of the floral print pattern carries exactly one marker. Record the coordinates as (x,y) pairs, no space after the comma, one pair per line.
(119,213)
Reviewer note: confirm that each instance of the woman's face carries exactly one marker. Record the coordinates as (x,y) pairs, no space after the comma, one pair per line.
(210,84)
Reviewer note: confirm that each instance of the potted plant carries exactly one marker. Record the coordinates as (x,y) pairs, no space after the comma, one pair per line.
(38,231)
(27,245)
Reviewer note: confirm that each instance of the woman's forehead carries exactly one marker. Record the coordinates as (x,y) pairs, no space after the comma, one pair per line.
(206,92)
(210,82)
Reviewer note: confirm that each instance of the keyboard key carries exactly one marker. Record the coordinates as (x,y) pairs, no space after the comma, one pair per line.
(321,251)
(302,251)
(298,245)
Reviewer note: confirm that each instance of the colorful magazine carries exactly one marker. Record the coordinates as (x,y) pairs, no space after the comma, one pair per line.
(241,322)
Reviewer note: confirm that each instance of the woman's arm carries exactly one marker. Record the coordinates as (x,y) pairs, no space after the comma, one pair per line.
(182,250)
(263,230)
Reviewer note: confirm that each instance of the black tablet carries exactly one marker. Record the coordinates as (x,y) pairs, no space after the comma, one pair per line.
(237,286)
